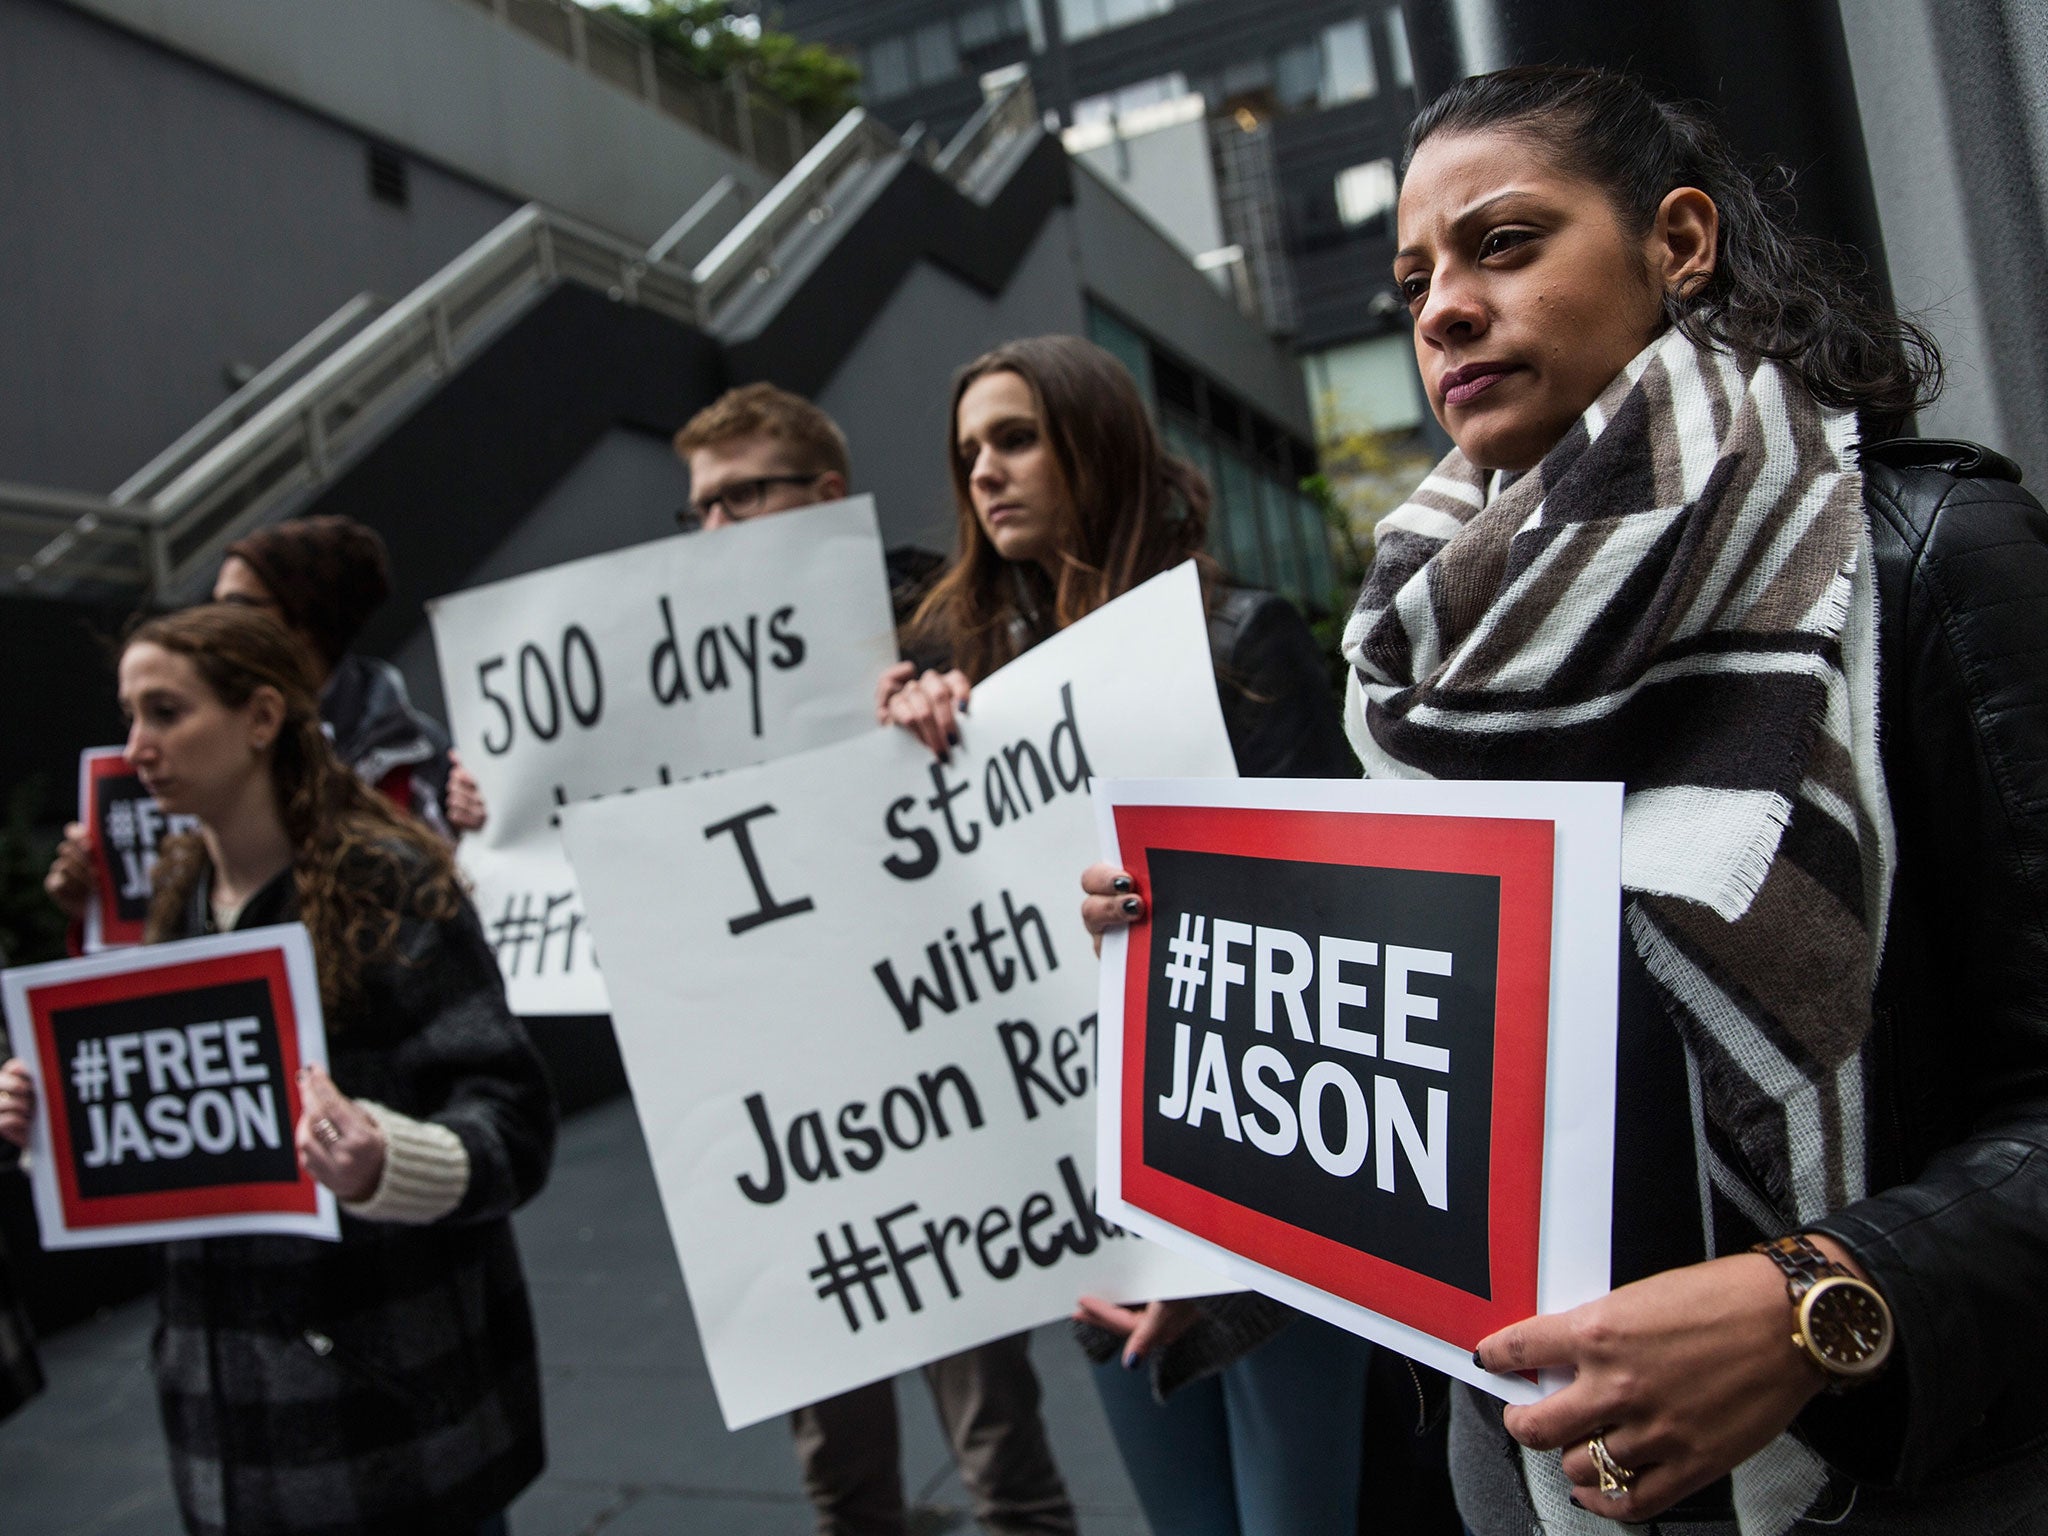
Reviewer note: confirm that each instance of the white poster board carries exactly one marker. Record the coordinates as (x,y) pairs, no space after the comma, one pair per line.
(645,667)
(855,1001)
(1359,1054)
(167,1089)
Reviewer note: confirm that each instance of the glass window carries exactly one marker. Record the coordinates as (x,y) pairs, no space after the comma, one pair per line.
(1322,564)
(1237,505)
(1246,76)
(1399,64)
(1276,516)
(1348,71)
(1116,13)
(937,58)
(1126,346)
(1080,18)
(1366,194)
(888,69)
(1298,76)
(1185,440)
(980,26)
(1084,18)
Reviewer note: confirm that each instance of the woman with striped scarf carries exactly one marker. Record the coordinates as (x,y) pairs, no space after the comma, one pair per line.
(1671,549)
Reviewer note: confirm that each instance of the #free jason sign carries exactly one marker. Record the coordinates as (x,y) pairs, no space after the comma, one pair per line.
(167,1091)
(1361,1051)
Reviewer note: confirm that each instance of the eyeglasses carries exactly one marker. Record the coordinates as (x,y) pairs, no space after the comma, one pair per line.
(740,500)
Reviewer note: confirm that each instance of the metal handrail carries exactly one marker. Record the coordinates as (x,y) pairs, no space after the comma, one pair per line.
(40,527)
(802,198)
(297,437)
(1002,117)
(317,344)
(254,456)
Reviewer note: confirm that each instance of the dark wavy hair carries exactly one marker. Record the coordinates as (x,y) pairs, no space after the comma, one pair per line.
(1134,509)
(358,865)
(1773,293)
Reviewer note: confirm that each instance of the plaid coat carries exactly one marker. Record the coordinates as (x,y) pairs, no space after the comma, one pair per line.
(21,1377)
(387,1383)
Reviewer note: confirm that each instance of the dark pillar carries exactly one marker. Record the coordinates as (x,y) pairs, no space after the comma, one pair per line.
(1777,71)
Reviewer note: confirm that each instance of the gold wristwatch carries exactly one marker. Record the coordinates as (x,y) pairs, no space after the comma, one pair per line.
(1844,1326)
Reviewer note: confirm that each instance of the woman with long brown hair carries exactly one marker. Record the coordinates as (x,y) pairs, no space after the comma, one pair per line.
(387,1382)
(1248,1419)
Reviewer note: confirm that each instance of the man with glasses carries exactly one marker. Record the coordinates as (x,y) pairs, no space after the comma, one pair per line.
(752,452)
(757,450)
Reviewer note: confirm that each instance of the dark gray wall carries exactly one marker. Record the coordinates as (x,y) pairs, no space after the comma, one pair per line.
(623,491)
(160,222)
(891,393)
(1955,109)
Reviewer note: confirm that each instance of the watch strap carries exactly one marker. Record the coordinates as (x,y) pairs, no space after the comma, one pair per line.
(1805,1266)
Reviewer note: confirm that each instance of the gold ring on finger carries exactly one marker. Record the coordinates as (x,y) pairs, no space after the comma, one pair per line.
(327,1131)
(1615,1479)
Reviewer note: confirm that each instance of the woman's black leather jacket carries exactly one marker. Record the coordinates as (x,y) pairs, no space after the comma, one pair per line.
(1958,1237)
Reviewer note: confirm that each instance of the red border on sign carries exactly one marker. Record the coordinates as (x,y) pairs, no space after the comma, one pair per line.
(114,931)
(1521,854)
(81,1211)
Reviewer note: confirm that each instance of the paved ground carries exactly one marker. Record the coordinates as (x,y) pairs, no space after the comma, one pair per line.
(635,1442)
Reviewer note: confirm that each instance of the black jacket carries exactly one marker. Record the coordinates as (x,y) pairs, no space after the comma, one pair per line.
(391,746)
(1957,1238)
(387,1384)
(1283,715)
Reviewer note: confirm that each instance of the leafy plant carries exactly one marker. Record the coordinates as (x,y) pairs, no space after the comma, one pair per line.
(717,40)
(31,927)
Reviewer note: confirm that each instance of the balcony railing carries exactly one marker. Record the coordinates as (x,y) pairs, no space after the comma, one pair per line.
(295,425)
(760,128)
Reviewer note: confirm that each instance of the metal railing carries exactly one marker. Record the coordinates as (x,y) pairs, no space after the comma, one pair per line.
(308,353)
(170,521)
(1007,114)
(290,429)
(96,545)
(760,128)
(806,198)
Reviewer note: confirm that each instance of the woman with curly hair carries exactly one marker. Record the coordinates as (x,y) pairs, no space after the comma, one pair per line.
(388,1382)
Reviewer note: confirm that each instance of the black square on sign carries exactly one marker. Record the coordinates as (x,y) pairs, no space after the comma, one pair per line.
(169,1093)
(1426,1120)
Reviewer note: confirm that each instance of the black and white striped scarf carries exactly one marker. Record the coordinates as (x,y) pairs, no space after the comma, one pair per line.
(1678,597)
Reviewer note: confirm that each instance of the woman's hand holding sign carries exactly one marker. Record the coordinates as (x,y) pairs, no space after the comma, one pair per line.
(929,707)
(338,1142)
(1681,1376)
(70,880)
(1152,1325)
(1111,901)
(466,810)
(17,1102)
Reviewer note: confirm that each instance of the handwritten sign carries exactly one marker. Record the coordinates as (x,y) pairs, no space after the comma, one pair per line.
(126,825)
(1360,1052)
(166,1089)
(856,1004)
(641,668)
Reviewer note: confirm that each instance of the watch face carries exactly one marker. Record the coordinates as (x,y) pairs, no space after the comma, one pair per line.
(1848,1327)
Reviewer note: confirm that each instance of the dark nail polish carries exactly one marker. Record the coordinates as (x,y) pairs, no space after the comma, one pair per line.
(1132,1362)
(952,738)
(1477,1361)
(1120,883)
(1132,906)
